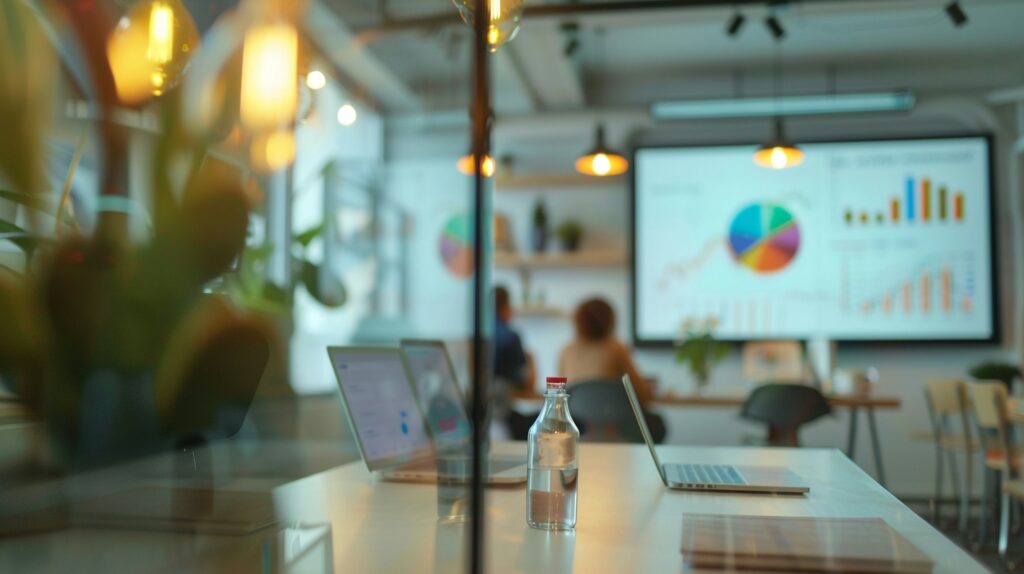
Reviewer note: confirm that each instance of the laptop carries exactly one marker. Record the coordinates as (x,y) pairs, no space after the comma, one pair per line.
(717,477)
(437,386)
(387,419)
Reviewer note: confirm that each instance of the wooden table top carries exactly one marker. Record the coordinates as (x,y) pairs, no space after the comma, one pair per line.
(871,401)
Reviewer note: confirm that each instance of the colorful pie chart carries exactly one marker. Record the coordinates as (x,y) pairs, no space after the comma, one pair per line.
(764,237)
(455,246)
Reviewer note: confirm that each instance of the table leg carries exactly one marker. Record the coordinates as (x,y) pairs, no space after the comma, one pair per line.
(851,436)
(875,446)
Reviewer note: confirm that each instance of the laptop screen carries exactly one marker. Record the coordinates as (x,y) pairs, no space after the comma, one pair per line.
(381,405)
(438,391)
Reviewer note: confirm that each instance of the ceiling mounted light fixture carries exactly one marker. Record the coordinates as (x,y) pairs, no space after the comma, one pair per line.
(504,17)
(775,27)
(735,24)
(956,13)
(467,166)
(601,161)
(780,152)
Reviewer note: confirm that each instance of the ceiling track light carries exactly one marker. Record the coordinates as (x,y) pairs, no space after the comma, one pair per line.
(735,24)
(956,13)
(775,27)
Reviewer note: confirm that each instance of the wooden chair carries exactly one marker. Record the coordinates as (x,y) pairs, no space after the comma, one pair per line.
(989,405)
(950,420)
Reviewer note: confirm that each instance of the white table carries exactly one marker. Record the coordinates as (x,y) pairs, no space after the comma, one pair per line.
(628,522)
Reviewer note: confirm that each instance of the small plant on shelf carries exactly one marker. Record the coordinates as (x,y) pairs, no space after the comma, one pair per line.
(539,231)
(698,349)
(570,232)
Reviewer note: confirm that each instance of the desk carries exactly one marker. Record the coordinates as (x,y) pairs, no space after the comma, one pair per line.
(628,521)
(855,403)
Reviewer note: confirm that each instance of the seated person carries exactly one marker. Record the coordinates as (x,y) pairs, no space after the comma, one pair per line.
(513,370)
(596,354)
(512,364)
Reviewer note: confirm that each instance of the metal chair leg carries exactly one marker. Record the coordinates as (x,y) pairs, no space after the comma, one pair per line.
(966,493)
(1004,524)
(953,478)
(937,500)
(983,517)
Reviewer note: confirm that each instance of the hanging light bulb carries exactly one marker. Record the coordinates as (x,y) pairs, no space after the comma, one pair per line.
(779,153)
(269,63)
(503,24)
(150,48)
(601,161)
(467,166)
(347,114)
(316,80)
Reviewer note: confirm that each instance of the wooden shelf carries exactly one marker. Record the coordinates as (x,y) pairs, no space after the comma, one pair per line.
(549,181)
(574,259)
(549,312)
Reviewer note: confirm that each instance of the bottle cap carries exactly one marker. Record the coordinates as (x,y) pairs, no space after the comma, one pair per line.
(556,382)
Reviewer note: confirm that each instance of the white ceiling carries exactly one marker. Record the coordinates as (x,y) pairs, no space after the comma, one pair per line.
(646,55)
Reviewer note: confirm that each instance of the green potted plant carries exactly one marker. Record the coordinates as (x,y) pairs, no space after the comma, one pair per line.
(539,231)
(699,350)
(570,232)
(996,371)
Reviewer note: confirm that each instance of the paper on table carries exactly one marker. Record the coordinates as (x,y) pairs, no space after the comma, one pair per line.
(798,544)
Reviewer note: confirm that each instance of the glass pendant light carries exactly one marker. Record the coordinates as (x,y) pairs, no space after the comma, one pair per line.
(467,166)
(601,161)
(150,48)
(504,19)
(779,153)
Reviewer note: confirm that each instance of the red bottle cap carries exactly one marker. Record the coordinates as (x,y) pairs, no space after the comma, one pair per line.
(557,381)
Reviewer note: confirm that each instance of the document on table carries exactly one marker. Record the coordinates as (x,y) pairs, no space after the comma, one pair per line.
(789,544)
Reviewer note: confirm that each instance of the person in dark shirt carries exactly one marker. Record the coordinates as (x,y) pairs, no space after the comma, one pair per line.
(512,364)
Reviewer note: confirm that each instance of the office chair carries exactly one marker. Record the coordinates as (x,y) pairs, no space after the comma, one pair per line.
(784,408)
(601,410)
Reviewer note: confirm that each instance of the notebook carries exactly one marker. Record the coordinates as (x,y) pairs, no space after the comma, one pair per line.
(787,544)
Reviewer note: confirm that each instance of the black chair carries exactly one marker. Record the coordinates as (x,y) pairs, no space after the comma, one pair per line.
(601,410)
(784,408)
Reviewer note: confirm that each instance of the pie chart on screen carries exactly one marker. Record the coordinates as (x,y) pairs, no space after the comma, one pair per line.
(456,251)
(764,237)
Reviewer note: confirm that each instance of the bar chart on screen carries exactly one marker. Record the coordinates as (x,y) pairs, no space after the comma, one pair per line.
(923,200)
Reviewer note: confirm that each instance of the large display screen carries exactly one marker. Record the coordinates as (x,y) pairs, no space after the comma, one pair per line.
(867,240)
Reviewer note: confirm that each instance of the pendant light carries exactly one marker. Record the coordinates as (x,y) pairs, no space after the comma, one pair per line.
(601,161)
(467,166)
(504,19)
(779,152)
(150,48)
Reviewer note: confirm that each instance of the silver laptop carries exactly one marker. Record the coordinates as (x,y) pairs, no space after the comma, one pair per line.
(720,477)
(386,418)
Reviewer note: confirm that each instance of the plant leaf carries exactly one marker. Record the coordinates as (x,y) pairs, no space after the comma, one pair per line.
(19,237)
(307,236)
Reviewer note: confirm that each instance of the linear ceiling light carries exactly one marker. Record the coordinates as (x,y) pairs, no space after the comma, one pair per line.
(786,106)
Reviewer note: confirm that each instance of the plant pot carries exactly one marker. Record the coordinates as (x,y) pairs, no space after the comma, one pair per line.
(539,239)
(570,244)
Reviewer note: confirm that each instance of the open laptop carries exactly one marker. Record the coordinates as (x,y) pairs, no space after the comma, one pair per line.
(386,418)
(719,477)
(437,387)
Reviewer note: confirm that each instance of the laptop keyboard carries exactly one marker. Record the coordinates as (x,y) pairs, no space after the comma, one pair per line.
(710,474)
